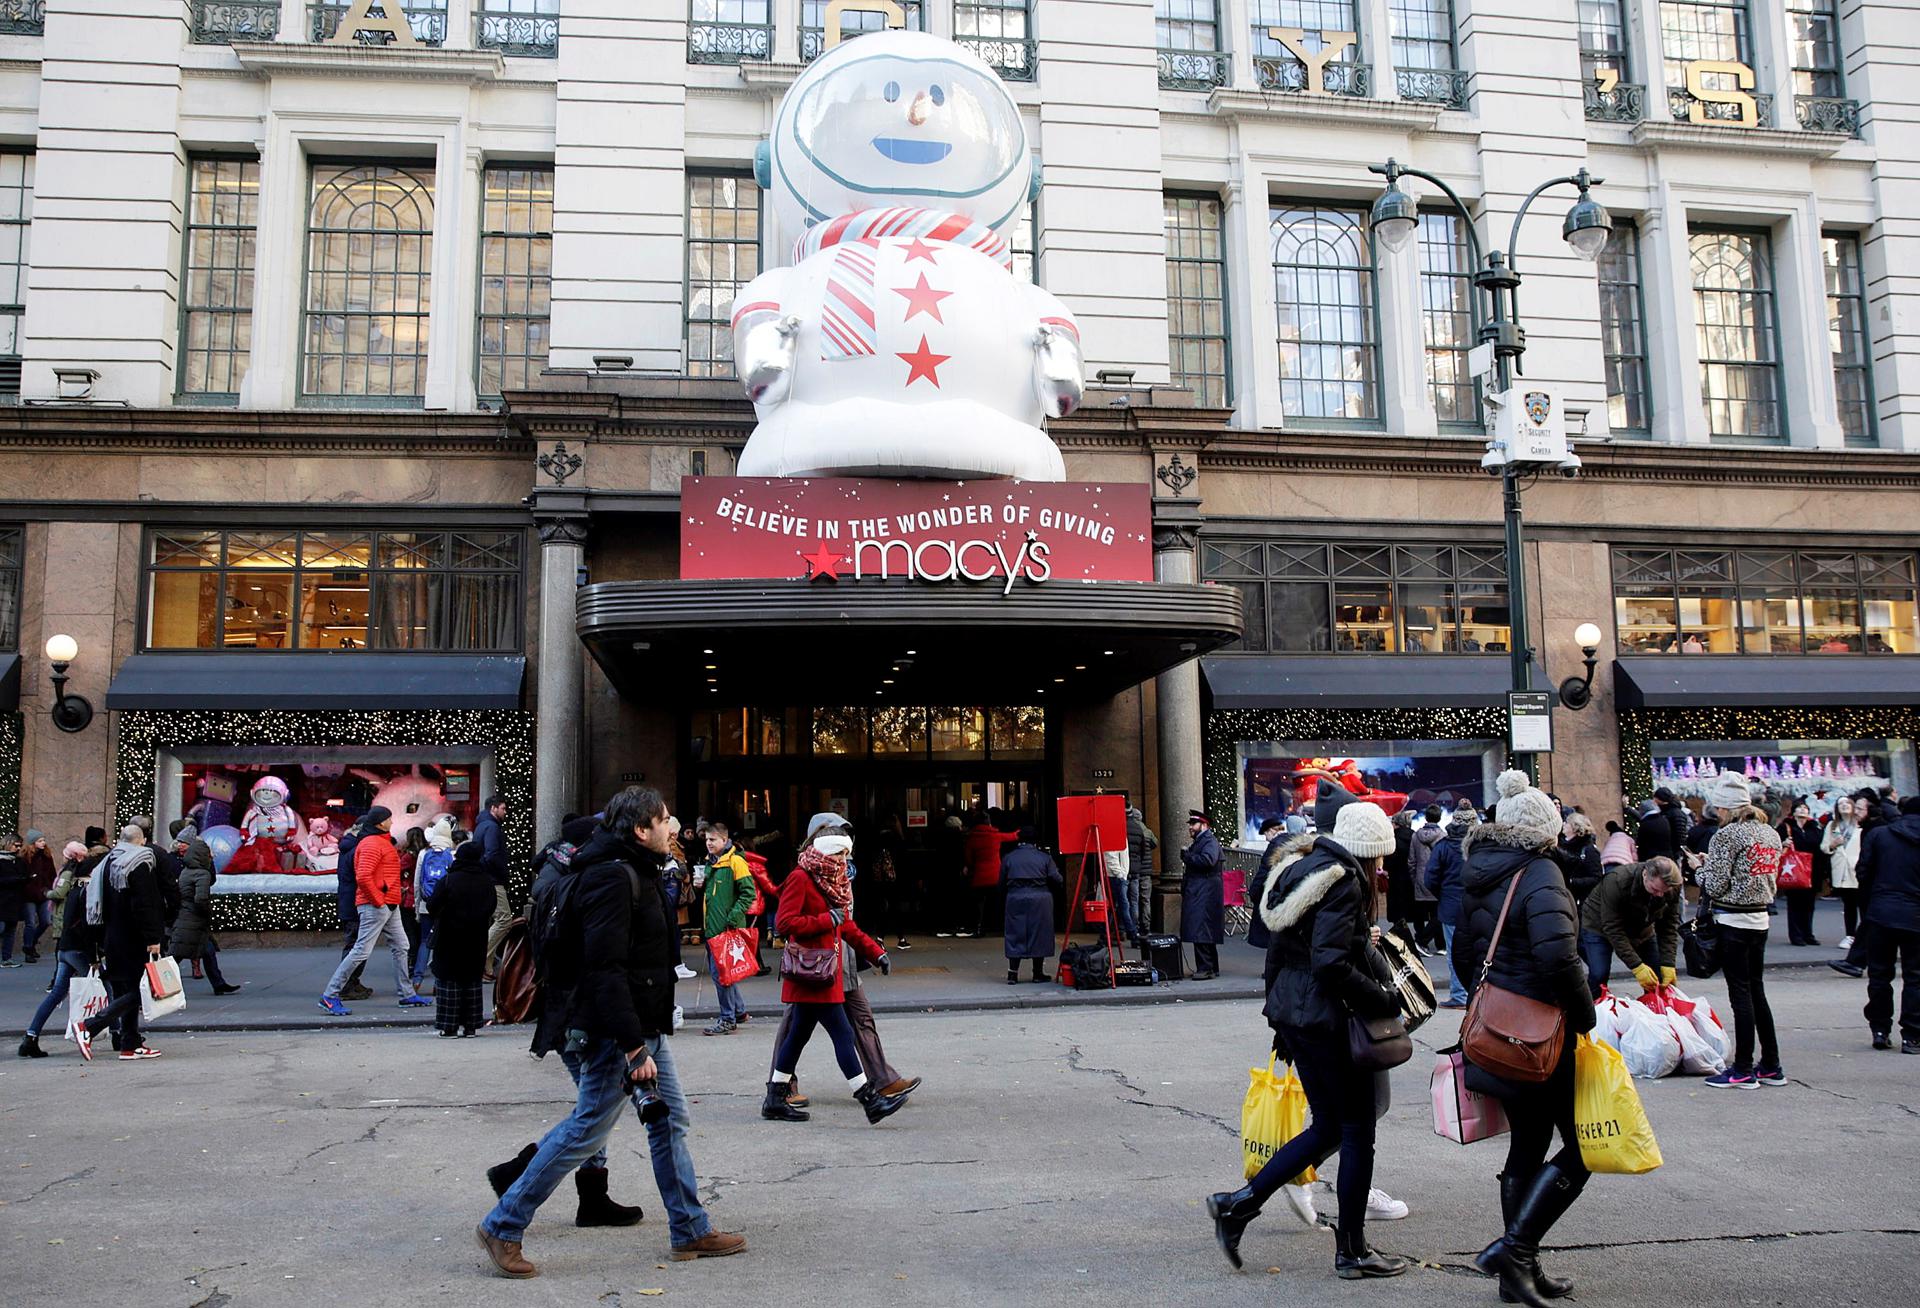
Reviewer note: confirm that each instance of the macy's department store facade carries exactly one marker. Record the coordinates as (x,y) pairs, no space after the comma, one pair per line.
(420,610)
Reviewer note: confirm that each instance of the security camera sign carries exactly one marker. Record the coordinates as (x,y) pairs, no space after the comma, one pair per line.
(1531,425)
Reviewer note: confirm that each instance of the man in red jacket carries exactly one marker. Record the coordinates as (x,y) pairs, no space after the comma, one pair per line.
(376,875)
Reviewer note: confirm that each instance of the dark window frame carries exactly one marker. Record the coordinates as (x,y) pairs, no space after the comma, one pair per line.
(1267,564)
(1851,303)
(1744,581)
(13,574)
(1592,56)
(1282,215)
(512,641)
(508,240)
(710,365)
(240,360)
(1175,339)
(1625,244)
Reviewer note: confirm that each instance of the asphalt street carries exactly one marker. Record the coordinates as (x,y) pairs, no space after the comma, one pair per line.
(1053,1156)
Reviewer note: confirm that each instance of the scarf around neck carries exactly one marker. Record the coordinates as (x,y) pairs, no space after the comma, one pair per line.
(832,880)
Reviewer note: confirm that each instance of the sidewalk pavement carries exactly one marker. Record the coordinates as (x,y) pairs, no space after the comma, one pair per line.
(281,987)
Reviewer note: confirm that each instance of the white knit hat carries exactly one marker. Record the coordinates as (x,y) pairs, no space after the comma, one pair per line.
(1729,790)
(1522,806)
(1362,830)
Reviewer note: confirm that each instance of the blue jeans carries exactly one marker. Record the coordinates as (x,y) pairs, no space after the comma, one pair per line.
(1598,956)
(39,918)
(425,952)
(1119,896)
(731,1004)
(602,1078)
(673,1172)
(1458,992)
(71,963)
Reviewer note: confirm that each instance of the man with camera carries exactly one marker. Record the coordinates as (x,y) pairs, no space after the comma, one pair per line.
(607,1007)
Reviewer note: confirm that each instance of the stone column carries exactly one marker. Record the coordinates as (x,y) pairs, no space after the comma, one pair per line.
(558,707)
(1176,531)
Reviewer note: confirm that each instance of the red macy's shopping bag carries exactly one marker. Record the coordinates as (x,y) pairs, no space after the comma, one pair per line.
(733,957)
(1796,871)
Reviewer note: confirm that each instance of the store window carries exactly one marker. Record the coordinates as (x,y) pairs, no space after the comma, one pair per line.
(1814,32)
(1818,773)
(216,303)
(427,18)
(316,590)
(1021,247)
(1279,778)
(1309,597)
(516,275)
(369,283)
(1324,293)
(1188,34)
(1733,305)
(16,222)
(1848,339)
(1446,318)
(1623,335)
(1197,297)
(1279,69)
(12,557)
(1761,601)
(296,848)
(853,22)
(723,255)
(1694,31)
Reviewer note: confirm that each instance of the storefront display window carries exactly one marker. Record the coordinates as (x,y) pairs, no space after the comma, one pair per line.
(316,590)
(326,792)
(1786,602)
(1819,772)
(1303,598)
(1278,778)
(12,550)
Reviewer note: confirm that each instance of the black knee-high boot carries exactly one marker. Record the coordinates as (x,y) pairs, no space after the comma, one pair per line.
(1515,1256)
(1512,1189)
(501,1176)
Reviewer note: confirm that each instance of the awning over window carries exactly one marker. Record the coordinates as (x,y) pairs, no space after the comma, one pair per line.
(9,681)
(1347,681)
(1765,680)
(360,681)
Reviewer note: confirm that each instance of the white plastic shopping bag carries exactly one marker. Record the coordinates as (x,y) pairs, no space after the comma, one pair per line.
(1706,1023)
(152,1009)
(86,995)
(1647,1042)
(1697,1056)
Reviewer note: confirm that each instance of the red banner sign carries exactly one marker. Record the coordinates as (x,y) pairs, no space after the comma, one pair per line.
(853,528)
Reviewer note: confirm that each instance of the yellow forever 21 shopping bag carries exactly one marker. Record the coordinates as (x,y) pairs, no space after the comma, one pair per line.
(1615,1135)
(1275,1111)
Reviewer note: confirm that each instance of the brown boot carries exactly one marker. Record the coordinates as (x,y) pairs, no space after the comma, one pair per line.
(714,1244)
(904,1086)
(506,1256)
(794,1098)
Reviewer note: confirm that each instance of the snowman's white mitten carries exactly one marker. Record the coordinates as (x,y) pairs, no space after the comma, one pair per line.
(764,354)
(1058,372)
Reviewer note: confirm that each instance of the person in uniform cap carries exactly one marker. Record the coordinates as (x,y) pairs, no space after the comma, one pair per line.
(1203,906)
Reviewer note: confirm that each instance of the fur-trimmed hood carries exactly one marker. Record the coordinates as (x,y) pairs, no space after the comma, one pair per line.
(1308,868)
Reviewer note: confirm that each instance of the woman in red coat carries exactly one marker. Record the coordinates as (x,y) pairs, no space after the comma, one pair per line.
(816,904)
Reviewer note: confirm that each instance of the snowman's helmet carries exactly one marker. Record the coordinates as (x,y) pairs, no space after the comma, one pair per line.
(897,118)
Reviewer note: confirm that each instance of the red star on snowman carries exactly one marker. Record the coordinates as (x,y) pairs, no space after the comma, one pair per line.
(922,362)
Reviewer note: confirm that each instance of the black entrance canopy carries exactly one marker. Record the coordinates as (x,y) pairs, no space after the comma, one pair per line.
(318,680)
(1766,680)
(1348,681)
(877,642)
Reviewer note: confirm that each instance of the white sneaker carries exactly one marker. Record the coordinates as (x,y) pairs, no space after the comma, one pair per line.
(1300,1199)
(1847,943)
(684,972)
(1383,1207)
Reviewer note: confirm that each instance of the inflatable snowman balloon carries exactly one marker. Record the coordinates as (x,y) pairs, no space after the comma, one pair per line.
(899,342)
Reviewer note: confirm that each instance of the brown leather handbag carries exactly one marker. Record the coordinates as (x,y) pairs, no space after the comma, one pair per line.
(1509,1034)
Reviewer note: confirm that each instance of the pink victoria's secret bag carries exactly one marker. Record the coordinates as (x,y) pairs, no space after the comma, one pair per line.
(1462,1115)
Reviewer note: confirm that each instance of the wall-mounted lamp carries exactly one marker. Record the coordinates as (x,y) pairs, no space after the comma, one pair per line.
(1577,692)
(70,712)
(612,362)
(75,383)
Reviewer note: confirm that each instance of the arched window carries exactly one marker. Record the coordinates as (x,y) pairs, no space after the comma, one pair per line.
(1323,286)
(369,282)
(1739,351)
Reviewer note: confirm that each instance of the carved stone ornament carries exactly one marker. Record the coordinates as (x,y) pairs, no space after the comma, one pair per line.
(559,463)
(563,529)
(1175,475)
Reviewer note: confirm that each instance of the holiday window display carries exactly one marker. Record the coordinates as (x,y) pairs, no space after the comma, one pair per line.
(1274,785)
(269,826)
(1819,772)
(899,341)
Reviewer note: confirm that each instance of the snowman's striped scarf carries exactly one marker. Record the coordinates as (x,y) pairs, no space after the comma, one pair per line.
(872,225)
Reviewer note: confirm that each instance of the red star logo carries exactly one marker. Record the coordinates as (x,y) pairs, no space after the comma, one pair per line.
(824,563)
(922,298)
(922,363)
(919,249)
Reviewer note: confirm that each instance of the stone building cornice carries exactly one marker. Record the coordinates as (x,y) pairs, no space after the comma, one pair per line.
(67,428)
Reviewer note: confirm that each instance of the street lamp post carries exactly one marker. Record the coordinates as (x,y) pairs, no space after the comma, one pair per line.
(1396,218)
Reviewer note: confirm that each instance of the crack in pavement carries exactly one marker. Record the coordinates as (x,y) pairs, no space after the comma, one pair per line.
(998,1208)
(1753,1238)
(369,1136)
(1075,1060)
(1852,1099)
(77,1176)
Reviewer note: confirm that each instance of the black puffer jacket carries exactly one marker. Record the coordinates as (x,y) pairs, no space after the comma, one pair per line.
(1321,966)
(1539,954)
(1579,861)
(617,930)
(1890,874)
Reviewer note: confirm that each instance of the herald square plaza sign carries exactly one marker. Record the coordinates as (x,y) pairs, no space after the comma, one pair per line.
(830,529)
